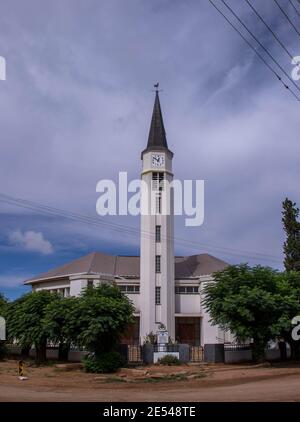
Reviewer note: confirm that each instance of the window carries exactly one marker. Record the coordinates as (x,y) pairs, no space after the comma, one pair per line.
(158,181)
(155,181)
(157,234)
(186,290)
(129,288)
(158,203)
(67,291)
(90,283)
(161,178)
(157,295)
(157,263)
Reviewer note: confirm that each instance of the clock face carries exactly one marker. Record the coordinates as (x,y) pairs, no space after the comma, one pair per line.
(158,160)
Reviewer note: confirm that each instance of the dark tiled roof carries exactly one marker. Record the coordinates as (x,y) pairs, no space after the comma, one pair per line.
(196,265)
(157,134)
(129,266)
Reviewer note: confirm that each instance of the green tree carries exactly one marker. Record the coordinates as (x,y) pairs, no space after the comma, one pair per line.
(291,227)
(60,323)
(244,300)
(288,306)
(102,315)
(94,320)
(3,304)
(25,321)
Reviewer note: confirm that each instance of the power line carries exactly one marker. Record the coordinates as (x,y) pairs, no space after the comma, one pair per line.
(37,207)
(287,17)
(86,219)
(256,52)
(296,10)
(261,45)
(270,29)
(131,230)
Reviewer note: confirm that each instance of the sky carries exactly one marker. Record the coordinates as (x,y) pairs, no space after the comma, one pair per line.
(76,106)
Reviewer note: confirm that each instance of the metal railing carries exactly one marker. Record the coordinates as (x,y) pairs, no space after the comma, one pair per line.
(231,347)
(166,348)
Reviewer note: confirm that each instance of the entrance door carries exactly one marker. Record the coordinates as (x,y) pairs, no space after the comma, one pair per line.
(132,334)
(188,330)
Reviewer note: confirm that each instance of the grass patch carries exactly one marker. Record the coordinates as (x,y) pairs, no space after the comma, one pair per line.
(173,377)
(115,379)
(200,375)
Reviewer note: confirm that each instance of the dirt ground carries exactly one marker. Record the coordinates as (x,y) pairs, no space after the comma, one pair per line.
(152,383)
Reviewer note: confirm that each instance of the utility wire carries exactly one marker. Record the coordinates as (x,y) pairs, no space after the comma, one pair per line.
(261,45)
(256,52)
(86,219)
(287,17)
(270,29)
(56,212)
(296,10)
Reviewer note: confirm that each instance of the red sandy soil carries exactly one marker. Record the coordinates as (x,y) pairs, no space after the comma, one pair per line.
(152,383)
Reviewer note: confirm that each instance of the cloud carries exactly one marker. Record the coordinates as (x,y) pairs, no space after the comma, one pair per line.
(87,88)
(31,241)
(11,281)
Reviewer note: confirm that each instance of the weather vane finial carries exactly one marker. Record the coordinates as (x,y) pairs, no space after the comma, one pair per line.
(156,88)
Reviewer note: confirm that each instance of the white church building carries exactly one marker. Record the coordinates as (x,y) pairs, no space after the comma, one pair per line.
(165,289)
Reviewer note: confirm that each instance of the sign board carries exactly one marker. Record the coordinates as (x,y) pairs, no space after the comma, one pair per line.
(2,329)
(162,337)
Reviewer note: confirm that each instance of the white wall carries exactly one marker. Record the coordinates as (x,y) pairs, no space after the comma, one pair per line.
(76,286)
(135,299)
(187,303)
(151,315)
(210,334)
(49,285)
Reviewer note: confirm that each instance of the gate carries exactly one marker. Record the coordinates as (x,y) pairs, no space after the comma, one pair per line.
(134,354)
(196,354)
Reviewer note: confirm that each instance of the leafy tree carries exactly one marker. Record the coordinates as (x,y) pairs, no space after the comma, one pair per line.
(94,320)
(291,248)
(291,227)
(245,300)
(102,314)
(3,304)
(60,323)
(25,321)
(288,306)
(13,327)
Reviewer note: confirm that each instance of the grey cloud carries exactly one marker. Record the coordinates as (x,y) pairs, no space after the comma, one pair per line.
(77,103)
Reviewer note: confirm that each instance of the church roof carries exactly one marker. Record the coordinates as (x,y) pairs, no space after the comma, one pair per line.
(129,266)
(157,135)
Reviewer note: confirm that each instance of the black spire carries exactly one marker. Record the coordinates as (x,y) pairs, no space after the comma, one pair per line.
(157,135)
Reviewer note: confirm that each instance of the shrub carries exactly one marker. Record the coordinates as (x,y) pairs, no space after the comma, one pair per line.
(150,338)
(169,360)
(104,363)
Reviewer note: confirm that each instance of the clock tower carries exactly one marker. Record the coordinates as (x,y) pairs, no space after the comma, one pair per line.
(157,286)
